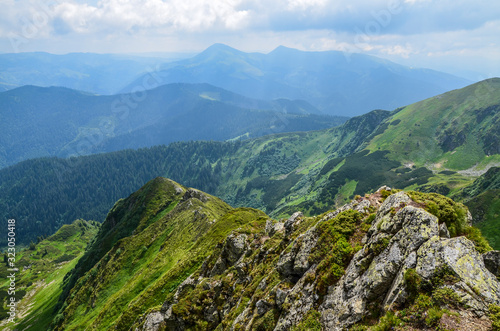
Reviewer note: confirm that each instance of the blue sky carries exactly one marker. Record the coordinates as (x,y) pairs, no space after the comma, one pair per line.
(457,36)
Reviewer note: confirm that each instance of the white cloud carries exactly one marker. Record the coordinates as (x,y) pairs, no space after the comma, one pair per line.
(197,15)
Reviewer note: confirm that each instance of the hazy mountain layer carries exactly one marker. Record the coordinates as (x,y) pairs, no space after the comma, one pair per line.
(55,121)
(94,73)
(337,83)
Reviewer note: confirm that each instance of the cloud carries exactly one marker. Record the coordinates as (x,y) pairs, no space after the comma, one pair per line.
(174,15)
(170,16)
(407,30)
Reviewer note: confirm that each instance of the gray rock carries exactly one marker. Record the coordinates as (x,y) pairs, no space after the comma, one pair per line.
(281,296)
(241,269)
(369,277)
(263,284)
(443,231)
(285,264)
(290,223)
(166,320)
(187,284)
(301,260)
(492,262)
(219,267)
(460,255)
(233,249)
(212,315)
(301,299)
(154,321)
(262,307)
(191,193)
(272,228)
(385,188)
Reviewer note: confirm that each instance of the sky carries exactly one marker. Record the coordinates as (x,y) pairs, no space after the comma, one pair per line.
(455,36)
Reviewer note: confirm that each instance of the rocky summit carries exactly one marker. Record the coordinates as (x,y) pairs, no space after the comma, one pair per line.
(388,260)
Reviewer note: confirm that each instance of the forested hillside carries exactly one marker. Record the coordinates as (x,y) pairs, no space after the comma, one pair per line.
(55,121)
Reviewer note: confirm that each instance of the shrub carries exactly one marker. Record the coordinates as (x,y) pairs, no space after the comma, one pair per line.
(495,317)
(412,282)
(475,235)
(452,213)
(387,322)
(433,316)
(446,296)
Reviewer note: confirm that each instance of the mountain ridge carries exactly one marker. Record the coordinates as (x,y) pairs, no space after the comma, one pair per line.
(329,80)
(186,260)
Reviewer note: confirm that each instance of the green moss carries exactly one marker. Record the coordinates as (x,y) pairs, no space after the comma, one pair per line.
(412,282)
(310,322)
(379,246)
(444,275)
(452,213)
(333,250)
(446,297)
(266,322)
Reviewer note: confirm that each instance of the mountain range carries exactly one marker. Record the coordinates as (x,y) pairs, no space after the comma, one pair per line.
(335,82)
(92,73)
(215,193)
(56,121)
(435,145)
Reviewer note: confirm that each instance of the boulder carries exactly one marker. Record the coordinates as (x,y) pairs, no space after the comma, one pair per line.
(492,262)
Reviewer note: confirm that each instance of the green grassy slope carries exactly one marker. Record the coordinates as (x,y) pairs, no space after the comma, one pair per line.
(149,243)
(455,130)
(483,199)
(42,269)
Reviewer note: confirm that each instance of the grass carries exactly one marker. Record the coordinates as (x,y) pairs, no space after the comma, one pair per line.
(153,261)
(44,279)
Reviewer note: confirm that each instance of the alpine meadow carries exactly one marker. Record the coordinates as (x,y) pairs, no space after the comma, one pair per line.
(242,165)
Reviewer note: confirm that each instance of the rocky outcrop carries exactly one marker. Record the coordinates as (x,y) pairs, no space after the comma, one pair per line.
(272,277)
(233,249)
(474,284)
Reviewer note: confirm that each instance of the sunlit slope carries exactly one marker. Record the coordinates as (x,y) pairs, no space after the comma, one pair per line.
(42,269)
(149,243)
(455,130)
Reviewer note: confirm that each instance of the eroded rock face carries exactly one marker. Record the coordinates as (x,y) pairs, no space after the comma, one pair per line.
(376,271)
(233,249)
(402,236)
(408,238)
(476,285)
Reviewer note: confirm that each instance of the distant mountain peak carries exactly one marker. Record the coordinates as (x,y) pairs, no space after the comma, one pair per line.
(218,49)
